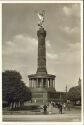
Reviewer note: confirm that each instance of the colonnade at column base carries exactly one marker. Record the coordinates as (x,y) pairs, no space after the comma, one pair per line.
(41,86)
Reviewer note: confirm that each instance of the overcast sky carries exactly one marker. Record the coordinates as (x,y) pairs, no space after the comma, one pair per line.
(63,45)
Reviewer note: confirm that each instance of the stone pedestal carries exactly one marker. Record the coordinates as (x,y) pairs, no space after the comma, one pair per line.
(40,86)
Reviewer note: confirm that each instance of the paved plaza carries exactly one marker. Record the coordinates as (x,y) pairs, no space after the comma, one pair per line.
(43,118)
(28,116)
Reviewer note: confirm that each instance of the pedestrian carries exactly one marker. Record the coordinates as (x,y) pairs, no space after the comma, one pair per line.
(45,108)
(50,108)
(68,105)
(64,106)
(61,108)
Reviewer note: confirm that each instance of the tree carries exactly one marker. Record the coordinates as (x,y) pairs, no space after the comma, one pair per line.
(74,94)
(14,89)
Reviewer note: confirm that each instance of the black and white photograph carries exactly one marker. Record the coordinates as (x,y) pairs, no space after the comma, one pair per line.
(42,53)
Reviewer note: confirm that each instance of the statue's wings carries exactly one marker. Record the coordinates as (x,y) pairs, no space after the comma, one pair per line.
(41,17)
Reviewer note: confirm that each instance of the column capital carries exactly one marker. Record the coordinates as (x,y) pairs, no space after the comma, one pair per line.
(41,32)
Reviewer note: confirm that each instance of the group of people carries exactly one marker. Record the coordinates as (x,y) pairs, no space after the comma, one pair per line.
(60,106)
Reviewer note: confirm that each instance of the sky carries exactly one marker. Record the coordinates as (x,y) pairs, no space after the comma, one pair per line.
(63,41)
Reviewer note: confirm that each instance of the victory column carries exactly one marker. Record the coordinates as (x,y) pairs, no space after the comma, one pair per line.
(42,84)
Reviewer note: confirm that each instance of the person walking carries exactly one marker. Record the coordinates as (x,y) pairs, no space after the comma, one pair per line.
(64,106)
(45,108)
(50,108)
(61,108)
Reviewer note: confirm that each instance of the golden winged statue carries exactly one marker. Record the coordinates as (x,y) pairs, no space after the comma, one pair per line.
(41,17)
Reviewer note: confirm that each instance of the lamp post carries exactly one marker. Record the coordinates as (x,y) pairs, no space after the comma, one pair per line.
(66,93)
